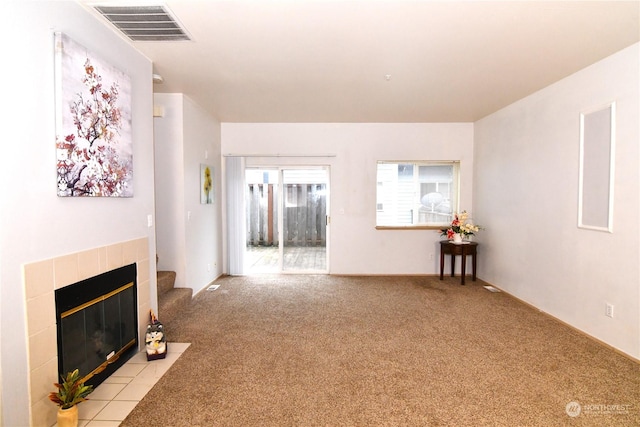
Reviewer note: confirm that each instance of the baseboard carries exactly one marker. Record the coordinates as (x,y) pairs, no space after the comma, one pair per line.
(387,275)
(568,325)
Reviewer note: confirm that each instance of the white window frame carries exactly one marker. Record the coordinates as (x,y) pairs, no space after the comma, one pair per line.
(415,215)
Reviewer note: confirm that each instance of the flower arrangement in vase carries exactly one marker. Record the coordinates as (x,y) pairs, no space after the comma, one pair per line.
(461,227)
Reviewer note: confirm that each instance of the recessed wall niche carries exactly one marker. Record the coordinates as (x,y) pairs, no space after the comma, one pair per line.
(597,161)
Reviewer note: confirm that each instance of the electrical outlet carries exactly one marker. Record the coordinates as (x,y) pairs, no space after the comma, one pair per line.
(431,256)
(609,310)
(208,267)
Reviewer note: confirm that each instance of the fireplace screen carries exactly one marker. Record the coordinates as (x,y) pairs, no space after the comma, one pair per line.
(97,324)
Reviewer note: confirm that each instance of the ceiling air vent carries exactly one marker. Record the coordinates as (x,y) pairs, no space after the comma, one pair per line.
(144,23)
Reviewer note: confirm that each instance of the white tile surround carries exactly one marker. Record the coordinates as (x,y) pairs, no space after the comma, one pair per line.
(41,279)
(111,401)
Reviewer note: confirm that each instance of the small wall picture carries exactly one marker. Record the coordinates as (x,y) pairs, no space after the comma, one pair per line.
(93,124)
(206,185)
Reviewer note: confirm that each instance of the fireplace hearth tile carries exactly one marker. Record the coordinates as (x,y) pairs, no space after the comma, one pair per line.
(117,380)
(148,381)
(107,391)
(141,375)
(140,357)
(116,410)
(179,347)
(154,371)
(133,391)
(101,424)
(89,409)
(128,370)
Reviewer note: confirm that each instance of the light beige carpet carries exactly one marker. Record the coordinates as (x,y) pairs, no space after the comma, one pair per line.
(383,351)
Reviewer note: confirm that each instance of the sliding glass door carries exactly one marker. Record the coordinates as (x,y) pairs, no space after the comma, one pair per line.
(287,224)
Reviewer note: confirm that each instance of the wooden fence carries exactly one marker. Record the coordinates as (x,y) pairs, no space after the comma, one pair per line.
(304,215)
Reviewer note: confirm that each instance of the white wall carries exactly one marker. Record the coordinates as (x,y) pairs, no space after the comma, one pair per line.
(356,247)
(189,233)
(35,224)
(203,230)
(169,191)
(526,194)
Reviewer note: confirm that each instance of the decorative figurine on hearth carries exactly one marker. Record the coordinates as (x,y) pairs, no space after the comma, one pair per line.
(155,340)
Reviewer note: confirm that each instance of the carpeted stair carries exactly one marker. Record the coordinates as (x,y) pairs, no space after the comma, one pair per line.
(171,300)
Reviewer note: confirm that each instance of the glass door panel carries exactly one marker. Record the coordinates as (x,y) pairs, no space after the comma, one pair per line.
(262,206)
(304,220)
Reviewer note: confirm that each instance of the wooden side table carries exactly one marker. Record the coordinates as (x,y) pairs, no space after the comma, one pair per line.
(463,249)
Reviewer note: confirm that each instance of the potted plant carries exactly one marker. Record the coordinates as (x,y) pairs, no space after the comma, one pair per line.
(71,391)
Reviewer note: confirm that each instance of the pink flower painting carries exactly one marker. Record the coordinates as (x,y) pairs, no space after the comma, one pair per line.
(93,125)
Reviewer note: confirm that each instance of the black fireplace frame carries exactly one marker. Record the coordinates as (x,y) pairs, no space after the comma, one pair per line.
(78,294)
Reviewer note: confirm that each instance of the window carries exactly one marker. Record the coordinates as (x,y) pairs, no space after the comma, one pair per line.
(421,193)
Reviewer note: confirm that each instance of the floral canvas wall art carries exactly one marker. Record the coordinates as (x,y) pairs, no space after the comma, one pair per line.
(206,185)
(93,124)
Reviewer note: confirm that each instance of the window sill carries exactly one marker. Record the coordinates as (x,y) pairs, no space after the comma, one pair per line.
(410,227)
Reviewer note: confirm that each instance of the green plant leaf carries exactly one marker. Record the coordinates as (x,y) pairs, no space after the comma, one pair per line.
(71,390)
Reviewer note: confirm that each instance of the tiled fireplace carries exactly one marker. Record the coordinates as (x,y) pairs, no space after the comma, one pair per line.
(41,279)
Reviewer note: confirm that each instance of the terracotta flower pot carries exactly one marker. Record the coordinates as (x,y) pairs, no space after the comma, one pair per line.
(68,417)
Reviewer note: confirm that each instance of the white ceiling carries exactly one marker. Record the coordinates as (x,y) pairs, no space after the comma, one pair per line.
(327,61)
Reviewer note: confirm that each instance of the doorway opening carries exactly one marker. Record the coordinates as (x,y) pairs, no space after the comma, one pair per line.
(287,223)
